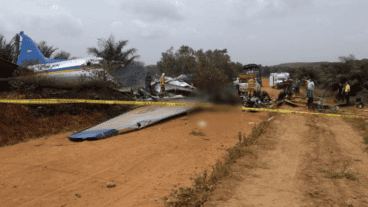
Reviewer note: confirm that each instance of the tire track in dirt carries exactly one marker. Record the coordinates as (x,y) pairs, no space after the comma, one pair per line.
(291,156)
(329,149)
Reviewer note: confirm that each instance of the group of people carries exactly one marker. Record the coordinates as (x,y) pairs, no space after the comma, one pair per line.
(149,86)
(343,92)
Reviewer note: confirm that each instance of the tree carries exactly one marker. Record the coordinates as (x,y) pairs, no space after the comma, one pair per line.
(167,64)
(114,59)
(345,59)
(45,49)
(5,49)
(62,55)
(111,51)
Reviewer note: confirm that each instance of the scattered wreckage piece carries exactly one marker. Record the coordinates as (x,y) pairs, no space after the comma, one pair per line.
(132,120)
(174,88)
(317,104)
(259,100)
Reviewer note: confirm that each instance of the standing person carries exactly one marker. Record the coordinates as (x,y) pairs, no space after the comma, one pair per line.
(306,83)
(258,87)
(340,92)
(162,84)
(310,93)
(311,87)
(288,86)
(148,82)
(347,93)
(251,86)
(297,86)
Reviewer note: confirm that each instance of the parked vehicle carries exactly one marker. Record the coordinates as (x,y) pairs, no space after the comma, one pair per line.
(277,79)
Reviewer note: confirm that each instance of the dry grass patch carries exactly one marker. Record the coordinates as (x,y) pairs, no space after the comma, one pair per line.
(204,184)
(362,126)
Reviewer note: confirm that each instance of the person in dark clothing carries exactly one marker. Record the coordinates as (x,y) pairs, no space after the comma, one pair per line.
(339,89)
(148,83)
(340,92)
(297,86)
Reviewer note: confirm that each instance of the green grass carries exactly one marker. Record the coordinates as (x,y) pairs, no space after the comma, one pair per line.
(345,173)
(204,184)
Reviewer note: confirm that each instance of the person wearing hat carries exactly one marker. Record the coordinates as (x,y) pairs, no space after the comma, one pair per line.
(162,84)
(347,93)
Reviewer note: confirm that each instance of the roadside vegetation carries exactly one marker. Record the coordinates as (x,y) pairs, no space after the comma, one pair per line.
(362,126)
(344,173)
(204,184)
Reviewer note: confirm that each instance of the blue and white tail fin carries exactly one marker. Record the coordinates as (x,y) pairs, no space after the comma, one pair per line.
(30,54)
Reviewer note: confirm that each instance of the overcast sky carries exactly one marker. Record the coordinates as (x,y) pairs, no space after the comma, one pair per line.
(266,32)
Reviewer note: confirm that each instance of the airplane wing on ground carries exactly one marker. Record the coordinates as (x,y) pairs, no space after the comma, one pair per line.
(133,120)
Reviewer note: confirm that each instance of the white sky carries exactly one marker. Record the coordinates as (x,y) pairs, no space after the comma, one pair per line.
(266,32)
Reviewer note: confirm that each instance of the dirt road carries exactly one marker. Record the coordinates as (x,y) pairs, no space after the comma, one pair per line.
(288,167)
(136,168)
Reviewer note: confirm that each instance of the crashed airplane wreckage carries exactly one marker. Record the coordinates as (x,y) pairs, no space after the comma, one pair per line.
(174,88)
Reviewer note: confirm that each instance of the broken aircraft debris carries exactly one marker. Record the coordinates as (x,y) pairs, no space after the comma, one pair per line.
(174,88)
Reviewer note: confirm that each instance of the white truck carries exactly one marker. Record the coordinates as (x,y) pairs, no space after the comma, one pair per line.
(276,79)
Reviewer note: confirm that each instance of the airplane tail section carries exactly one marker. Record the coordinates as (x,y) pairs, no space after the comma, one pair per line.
(30,54)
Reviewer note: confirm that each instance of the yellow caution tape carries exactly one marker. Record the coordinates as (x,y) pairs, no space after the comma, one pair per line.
(300,112)
(60,101)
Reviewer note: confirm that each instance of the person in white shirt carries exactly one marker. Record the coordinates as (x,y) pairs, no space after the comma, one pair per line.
(310,87)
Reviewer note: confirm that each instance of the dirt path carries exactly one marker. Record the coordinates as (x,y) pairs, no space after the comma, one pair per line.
(286,167)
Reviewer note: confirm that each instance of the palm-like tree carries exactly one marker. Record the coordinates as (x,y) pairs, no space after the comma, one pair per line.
(112,52)
(45,49)
(114,59)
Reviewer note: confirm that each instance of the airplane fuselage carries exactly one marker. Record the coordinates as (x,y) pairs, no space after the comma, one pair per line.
(65,74)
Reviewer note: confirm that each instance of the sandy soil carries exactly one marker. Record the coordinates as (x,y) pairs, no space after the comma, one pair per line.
(144,165)
(136,168)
